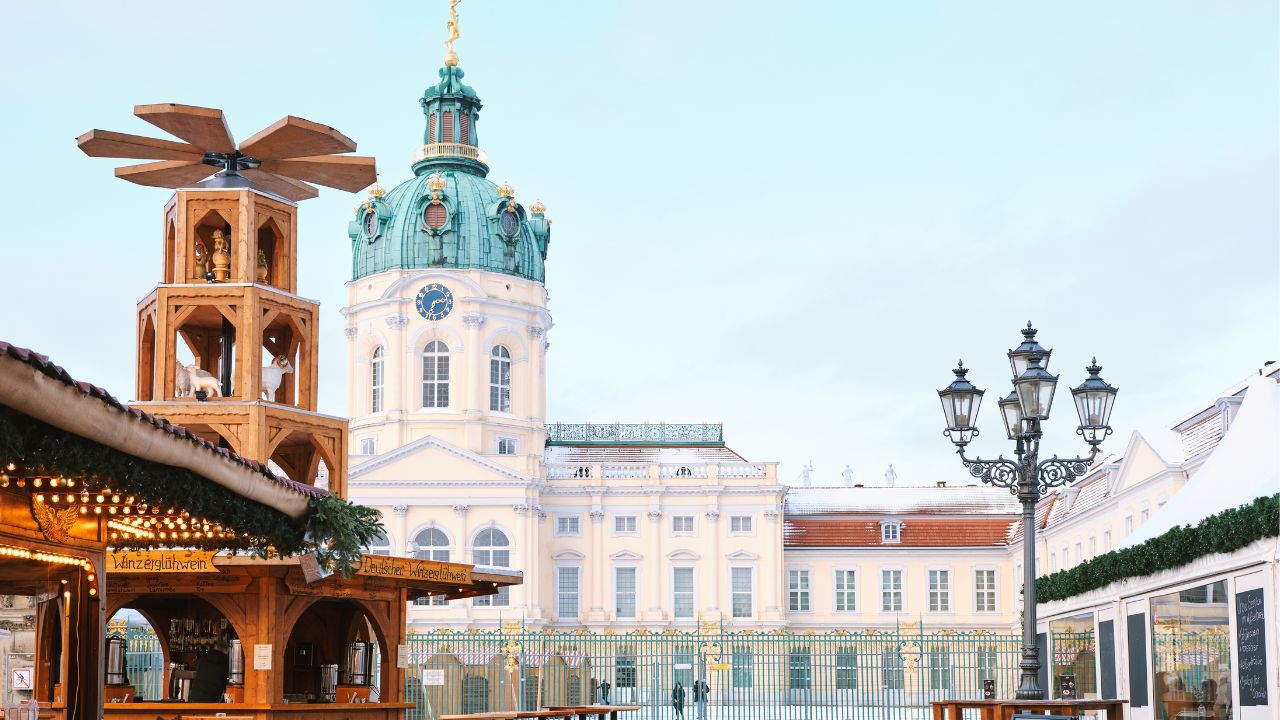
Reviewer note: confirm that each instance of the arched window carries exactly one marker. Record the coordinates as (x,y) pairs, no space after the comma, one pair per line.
(492,548)
(435,375)
(431,544)
(500,379)
(379,545)
(376,376)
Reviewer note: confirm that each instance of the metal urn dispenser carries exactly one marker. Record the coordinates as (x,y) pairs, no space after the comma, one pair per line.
(235,663)
(328,683)
(360,663)
(117,646)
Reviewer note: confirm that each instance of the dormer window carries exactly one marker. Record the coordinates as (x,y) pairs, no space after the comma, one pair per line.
(890,531)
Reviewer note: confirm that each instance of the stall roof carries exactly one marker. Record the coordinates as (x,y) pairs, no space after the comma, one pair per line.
(273,507)
(1244,466)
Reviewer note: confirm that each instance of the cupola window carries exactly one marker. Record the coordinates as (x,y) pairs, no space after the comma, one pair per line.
(431,128)
(509,220)
(446,131)
(376,376)
(435,216)
(464,125)
(500,379)
(371,224)
(435,375)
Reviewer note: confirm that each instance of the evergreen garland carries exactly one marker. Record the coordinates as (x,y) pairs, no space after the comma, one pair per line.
(1224,532)
(334,528)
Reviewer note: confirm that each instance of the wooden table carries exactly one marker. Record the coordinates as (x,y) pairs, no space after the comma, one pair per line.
(569,712)
(1005,709)
(582,712)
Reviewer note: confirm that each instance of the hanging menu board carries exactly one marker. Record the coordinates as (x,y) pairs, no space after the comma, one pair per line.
(1251,643)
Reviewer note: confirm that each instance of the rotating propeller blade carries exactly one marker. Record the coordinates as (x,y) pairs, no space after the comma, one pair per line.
(286,188)
(105,143)
(292,137)
(206,128)
(166,173)
(344,172)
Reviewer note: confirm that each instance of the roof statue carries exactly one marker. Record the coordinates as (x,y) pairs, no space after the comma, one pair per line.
(847,474)
(451,57)
(890,476)
(805,471)
(278,159)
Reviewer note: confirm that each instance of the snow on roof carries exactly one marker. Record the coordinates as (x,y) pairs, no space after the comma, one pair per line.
(918,500)
(674,455)
(1244,466)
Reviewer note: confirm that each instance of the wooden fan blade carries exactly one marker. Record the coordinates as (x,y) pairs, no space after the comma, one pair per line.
(291,137)
(205,128)
(166,173)
(105,143)
(286,188)
(344,172)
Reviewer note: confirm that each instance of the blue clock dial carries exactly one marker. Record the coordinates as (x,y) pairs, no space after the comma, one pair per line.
(434,302)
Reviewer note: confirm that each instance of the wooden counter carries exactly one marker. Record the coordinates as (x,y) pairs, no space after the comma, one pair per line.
(300,711)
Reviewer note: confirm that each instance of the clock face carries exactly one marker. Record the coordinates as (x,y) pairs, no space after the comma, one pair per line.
(434,302)
(370,223)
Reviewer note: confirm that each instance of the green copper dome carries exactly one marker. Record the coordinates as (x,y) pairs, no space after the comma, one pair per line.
(449,214)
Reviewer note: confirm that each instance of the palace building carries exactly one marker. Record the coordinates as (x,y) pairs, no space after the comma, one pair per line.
(447,321)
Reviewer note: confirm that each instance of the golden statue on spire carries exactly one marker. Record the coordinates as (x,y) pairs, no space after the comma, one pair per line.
(451,57)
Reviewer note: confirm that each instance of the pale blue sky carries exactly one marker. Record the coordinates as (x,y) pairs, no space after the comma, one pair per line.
(789,217)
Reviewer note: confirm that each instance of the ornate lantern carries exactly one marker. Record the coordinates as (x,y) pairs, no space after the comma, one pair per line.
(960,402)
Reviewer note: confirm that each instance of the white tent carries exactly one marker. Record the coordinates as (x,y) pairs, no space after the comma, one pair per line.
(1244,466)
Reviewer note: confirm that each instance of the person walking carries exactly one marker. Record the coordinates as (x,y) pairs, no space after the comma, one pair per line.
(677,700)
(701,693)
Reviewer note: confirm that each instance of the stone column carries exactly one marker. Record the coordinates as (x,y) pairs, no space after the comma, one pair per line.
(537,374)
(597,583)
(538,592)
(771,584)
(353,387)
(522,558)
(476,378)
(655,578)
(401,548)
(716,570)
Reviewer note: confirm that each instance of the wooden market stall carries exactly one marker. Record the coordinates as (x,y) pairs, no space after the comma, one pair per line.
(80,471)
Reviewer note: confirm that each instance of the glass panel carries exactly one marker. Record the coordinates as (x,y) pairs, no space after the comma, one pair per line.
(1191,649)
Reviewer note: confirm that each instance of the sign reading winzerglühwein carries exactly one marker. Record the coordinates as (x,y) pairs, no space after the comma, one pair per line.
(161,561)
(413,569)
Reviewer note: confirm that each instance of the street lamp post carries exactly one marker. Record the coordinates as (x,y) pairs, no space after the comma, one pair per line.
(1026,476)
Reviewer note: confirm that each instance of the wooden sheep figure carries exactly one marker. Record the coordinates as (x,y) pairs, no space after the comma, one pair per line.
(273,375)
(188,379)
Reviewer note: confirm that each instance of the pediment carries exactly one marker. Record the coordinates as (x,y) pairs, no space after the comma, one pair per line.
(683,555)
(431,458)
(568,555)
(626,555)
(742,556)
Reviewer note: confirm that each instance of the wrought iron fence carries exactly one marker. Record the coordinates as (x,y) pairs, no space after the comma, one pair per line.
(747,676)
(672,433)
(144,663)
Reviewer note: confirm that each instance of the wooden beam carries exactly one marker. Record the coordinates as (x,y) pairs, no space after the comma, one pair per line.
(206,128)
(293,190)
(292,137)
(105,143)
(344,172)
(166,173)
